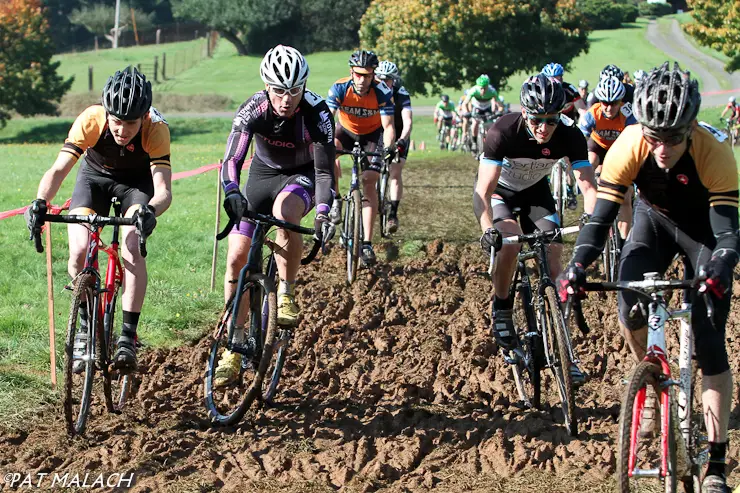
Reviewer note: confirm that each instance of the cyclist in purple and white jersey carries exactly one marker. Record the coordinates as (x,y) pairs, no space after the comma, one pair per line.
(293,132)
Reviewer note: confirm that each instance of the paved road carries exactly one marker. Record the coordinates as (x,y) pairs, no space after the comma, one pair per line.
(677,47)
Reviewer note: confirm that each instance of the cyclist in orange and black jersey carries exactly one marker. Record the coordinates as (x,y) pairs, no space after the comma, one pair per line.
(126,147)
(687,203)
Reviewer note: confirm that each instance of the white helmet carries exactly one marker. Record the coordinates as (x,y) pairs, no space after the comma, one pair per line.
(639,75)
(284,67)
(609,90)
(732,99)
(387,69)
(583,84)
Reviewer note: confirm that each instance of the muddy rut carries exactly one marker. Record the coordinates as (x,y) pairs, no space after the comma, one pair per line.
(392,384)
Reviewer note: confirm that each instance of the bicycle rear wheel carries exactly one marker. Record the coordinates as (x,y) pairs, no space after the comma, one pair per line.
(227,404)
(645,454)
(612,252)
(116,387)
(526,357)
(558,349)
(78,388)
(353,234)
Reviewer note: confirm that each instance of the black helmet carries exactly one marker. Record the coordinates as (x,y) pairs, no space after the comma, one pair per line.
(541,94)
(127,95)
(363,58)
(612,71)
(445,98)
(667,99)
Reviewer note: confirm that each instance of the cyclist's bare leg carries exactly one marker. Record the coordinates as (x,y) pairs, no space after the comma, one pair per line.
(554,256)
(624,221)
(717,401)
(79,237)
(595,161)
(369,203)
(134,268)
(337,167)
(636,340)
(396,170)
(236,259)
(505,259)
(465,128)
(288,207)
(474,129)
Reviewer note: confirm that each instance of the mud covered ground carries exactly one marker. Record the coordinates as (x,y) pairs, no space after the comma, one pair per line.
(393,384)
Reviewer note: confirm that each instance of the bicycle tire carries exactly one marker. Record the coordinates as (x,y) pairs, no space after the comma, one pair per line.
(354,234)
(384,204)
(116,387)
(555,331)
(697,449)
(83,286)
(280,347)
(526,371)
(244,396)
(643,375)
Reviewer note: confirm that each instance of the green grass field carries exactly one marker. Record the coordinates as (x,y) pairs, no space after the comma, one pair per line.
(237,77)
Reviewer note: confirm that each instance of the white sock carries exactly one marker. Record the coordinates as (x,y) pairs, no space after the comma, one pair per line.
(286,287)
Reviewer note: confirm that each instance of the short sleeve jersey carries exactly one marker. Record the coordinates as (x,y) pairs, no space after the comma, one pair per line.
(602,130)
(445,108)
(479,99)
(91,136)
(360,114)
(705,176)
(510,145)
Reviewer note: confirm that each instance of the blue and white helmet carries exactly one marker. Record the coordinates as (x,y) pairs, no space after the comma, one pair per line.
(553,69)
(609,90)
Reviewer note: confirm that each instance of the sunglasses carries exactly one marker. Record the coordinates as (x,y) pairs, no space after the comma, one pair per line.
(550,121)
(611,103)
(668,139)
(293,91)
(364,76)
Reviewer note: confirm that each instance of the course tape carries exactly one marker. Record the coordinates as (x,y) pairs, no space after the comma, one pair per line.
(56,209)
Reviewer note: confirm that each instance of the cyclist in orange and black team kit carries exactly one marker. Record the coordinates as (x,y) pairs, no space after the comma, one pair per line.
(366,114)
(293,134)
(126,148)
(687,203)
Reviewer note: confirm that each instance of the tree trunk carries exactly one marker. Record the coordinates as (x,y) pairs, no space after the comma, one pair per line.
(230,36)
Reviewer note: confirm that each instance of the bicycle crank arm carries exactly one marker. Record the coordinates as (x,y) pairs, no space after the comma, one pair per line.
(645,473)
(669,382)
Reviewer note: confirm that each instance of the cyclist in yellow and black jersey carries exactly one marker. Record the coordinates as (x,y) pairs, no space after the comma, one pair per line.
(687,203)
(125,146)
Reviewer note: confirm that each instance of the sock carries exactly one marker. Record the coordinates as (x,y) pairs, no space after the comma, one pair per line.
(499,304)
(394,207)
(130,323)
(286,287)
(367,243)
(716,464)
(82,312)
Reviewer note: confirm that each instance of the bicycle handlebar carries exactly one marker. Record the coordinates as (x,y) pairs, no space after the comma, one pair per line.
(360,154)
(93,220)
(531,238)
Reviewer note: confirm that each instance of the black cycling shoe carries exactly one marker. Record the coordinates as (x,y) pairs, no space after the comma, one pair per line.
(714,483)
(503,329)
(125,358)
(577,376)
(367,255)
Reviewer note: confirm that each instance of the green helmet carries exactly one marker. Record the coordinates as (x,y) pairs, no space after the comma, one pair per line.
(482,81)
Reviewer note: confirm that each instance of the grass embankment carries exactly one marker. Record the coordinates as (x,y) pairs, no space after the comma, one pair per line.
(236,77)
(179,306)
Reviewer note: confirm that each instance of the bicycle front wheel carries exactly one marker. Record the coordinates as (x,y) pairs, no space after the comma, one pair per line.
(116,387)
(78,386)
(526,358)
(353,228)
(554,331)
(639,460)
(384,202)
(228,399)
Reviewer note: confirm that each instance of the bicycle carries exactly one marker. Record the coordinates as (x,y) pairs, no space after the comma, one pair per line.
(227,405)
(383,187)
(560,175)
(612,252)
(677,459)
(546,342)
(456,135)
(484,123)
(352,230)
(444,135)
(99,298)
(730,130)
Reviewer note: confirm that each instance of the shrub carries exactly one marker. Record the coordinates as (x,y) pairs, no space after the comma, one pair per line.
(655,9)
(603,14)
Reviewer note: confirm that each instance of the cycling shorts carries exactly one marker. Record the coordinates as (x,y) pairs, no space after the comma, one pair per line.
(95,190)
(538,210)
(596,149)
(264,184)
(482,111)
(650,247)
(347,140)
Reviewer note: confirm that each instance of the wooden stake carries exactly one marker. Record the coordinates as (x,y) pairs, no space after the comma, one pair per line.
(218,223)
(50,295)
(136,32)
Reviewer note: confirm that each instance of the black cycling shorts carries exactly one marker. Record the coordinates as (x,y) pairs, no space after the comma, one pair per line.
(95,190)
(264,184)
(597,149)
(538,210)
(347,140)
(482,111)
(650,247)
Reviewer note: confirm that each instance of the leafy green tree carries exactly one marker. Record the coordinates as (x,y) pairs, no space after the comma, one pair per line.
(717,25)
(448,43)
(100,19)
(29,84)
(236,20)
